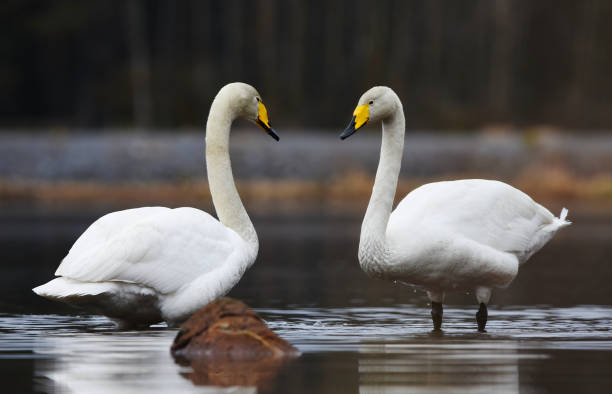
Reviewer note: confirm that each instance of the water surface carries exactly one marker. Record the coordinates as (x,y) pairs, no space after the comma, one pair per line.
(548,332)
(381,350)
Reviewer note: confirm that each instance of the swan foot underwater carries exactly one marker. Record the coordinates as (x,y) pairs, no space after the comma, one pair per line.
(146,265)
(470,234)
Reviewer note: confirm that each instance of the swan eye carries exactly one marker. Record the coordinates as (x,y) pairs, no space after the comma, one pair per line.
(258,99)
(371,102)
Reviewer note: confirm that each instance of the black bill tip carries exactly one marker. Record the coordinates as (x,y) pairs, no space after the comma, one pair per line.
(268,130)
(272,133)
(350,130)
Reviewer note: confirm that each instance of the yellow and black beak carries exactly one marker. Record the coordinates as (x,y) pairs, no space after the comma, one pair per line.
(360,118)
(263,122)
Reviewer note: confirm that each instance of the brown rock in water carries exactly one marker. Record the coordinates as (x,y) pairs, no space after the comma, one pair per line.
(229,329)
(226,343)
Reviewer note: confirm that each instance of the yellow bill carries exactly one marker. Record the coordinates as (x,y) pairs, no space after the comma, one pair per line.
(263,122)
(361,114)
(360,117)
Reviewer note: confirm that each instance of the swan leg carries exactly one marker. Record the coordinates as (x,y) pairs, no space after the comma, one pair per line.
(483,295)
(436,315)
(436,308)
(481,317)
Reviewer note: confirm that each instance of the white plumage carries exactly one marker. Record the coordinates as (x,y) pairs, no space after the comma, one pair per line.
(467,234)
(144,265)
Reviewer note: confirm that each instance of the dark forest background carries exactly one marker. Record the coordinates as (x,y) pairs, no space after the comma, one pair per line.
(158,64)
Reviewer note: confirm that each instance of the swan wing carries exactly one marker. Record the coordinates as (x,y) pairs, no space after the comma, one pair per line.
(488,212)
(160,248)
(106,227)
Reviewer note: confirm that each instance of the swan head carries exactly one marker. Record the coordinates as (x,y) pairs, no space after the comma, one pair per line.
(246,103)
(377,104)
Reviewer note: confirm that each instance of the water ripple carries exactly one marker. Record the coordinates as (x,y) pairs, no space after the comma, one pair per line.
(390,347)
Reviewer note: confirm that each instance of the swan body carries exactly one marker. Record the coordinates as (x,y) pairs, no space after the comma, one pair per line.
(470,234)
(466,233)
(145,265)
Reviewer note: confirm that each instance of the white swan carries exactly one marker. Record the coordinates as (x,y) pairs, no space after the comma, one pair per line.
(146,265)
(468,234)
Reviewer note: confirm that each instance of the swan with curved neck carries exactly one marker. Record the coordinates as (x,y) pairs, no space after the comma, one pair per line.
(145,265)
(469,234)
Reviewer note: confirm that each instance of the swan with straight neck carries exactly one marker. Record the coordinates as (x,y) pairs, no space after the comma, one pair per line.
(469,234)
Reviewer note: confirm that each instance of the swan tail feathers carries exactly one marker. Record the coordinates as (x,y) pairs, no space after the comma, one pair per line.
(544,235)
(561,221)
(62,289)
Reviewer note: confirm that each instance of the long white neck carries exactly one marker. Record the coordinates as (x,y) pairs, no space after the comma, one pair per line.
(372,246)
(225,197)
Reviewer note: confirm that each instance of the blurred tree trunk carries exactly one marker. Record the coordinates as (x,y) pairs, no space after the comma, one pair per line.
(500,67)
(85,85)
(166,71)
(202,71)
(296,50)
(402,49)
(433,49)
(267,58)
(481,61)
(334,56)
(377,40)
(235,32)
(582,48)
(139,63)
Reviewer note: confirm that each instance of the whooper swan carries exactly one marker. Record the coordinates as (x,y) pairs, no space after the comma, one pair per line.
(469,234)
(145,265)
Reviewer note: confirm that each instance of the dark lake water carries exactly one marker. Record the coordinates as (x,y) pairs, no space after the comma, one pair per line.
(344,350)
(550,331)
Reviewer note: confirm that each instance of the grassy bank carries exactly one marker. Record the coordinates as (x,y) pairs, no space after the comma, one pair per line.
(351,192)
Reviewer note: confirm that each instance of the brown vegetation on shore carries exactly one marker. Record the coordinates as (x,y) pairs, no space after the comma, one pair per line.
(350,191)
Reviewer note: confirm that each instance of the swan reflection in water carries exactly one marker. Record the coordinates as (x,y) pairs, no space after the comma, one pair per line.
(455,366)
(138,362)
(135,362)
(382,350)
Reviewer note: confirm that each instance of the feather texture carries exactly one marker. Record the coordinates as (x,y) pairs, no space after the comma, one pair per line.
(467,234)
(144,265)
(160,248)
